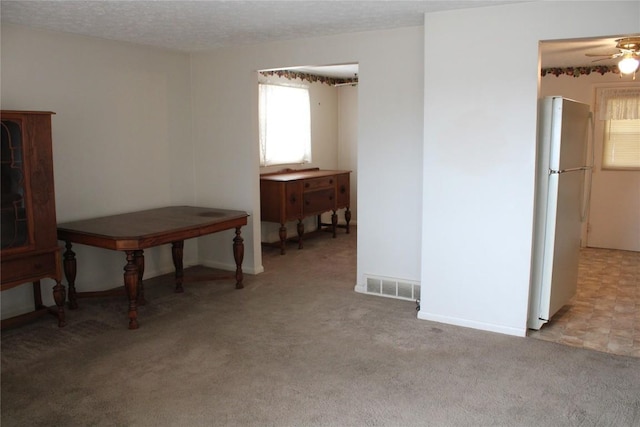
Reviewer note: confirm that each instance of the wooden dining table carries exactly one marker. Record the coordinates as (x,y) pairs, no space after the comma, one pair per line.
(134,232)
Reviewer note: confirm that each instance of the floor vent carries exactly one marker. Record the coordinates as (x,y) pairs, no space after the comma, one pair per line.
(392,288)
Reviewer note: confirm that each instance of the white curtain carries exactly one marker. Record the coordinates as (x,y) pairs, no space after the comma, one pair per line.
(619,104)
(285,125)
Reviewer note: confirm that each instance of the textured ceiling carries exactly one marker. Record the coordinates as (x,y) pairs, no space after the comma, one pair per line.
(206,24)
(199,25)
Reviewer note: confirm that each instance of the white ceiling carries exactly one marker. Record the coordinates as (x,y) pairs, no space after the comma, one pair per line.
(193,26)
(200,25)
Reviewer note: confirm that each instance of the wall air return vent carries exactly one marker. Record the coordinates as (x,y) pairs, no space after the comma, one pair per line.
(392,287)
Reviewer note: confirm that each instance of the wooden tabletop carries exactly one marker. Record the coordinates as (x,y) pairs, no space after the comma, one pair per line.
(148,228)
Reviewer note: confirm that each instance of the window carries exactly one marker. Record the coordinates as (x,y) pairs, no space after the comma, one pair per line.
(285,125)
(621,144)
(620,111)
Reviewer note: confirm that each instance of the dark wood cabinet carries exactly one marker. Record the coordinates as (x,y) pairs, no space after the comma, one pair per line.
(295,194)
(29,250)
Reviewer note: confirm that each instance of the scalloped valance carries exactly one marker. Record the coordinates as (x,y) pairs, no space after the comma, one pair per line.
(556,71)
(580,71)
(311,78)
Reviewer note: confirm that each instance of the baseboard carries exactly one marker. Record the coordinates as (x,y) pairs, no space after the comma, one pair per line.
(507,330)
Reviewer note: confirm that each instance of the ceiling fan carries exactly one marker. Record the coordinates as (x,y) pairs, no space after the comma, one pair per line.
(629,52)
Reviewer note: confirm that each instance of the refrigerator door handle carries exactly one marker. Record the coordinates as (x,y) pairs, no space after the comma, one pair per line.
(586,194)
(582,168)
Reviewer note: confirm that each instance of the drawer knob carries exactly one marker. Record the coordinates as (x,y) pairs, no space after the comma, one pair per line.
(292,199)
(306,185)
(343,189)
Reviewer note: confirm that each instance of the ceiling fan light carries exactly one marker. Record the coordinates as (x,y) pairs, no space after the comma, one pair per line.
(628,64)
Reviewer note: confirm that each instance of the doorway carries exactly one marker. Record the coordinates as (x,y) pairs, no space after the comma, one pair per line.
(603,314)
(615,194)
(333,98)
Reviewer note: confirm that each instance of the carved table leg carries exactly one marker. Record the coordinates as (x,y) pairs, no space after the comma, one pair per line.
(283,238)
(139,260)
(347,218)
(59,296)
(238,255)
(334,223)
(70,269)
(300,227)
(177,249)
(131,284)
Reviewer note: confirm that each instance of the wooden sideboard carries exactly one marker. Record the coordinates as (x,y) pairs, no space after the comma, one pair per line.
(30,249)
(295,194)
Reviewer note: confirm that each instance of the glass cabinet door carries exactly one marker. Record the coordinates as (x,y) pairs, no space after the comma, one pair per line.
(14,227)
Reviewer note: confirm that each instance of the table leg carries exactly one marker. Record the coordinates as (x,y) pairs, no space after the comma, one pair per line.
(283,238)
(238,255)
(177,249)
(139,260)
(70,268)
(131,284)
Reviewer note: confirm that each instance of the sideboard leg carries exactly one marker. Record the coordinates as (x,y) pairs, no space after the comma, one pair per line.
(283,238)
(59,295)
(334,223)
(300,227)
(347,218)
(37,295)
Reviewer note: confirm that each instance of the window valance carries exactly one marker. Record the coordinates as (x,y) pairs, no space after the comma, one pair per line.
(619,104)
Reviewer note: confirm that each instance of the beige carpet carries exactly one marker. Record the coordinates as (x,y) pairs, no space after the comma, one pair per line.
(298,347)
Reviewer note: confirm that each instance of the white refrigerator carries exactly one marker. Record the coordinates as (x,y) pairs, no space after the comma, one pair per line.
(563,178)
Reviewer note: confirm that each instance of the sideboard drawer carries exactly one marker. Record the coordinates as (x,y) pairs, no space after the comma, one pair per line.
(317,183)
(319,201)
(343,190)
(293,200)
(29,268)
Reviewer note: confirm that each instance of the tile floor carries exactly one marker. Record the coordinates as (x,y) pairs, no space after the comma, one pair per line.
(604,314)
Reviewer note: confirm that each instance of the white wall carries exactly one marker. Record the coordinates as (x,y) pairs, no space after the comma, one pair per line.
(389,132)
(479,153)
(348,141)
(121,137)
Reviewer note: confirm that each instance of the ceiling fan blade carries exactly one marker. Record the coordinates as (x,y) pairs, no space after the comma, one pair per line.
(603,59)
(610,56)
